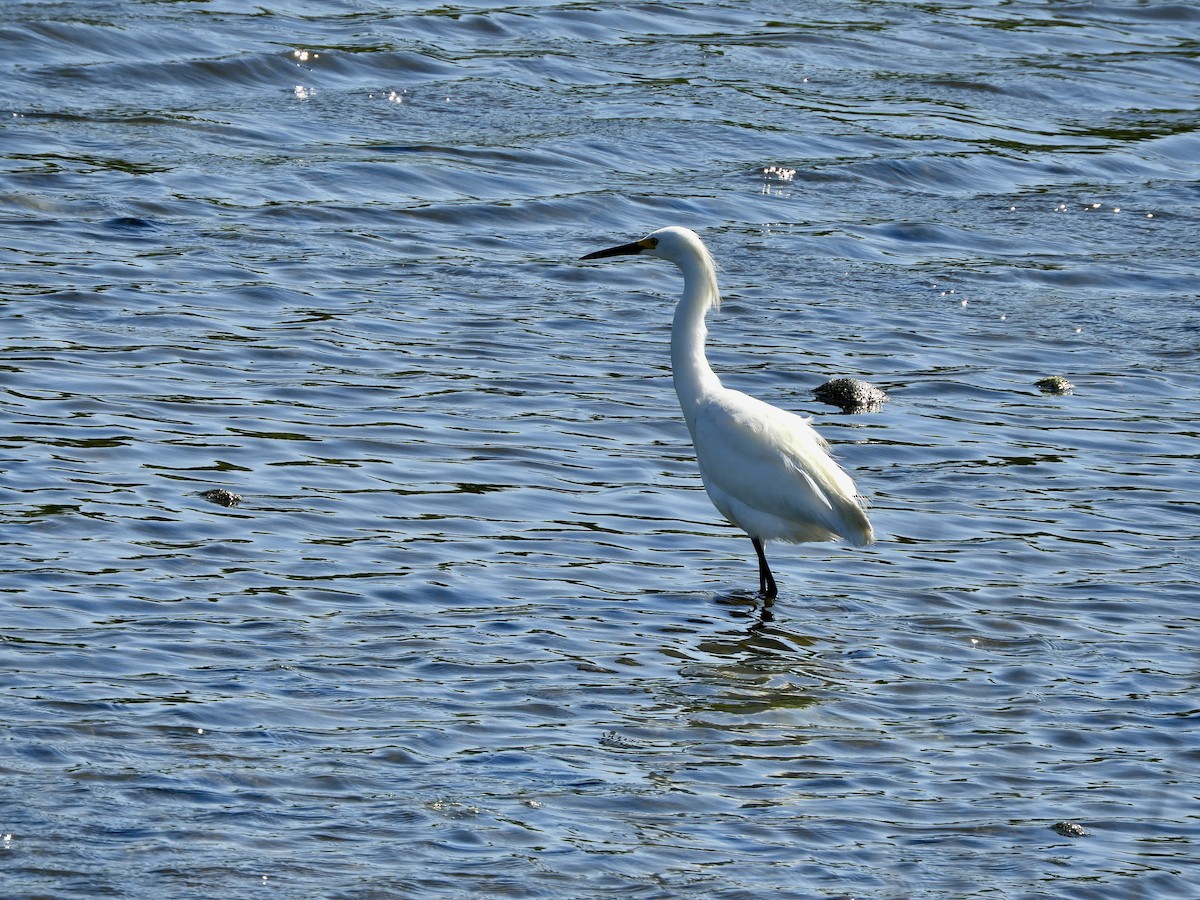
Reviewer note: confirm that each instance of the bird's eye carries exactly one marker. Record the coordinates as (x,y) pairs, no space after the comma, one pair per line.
(649,243)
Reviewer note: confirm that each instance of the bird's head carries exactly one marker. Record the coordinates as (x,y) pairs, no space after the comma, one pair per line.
(673,243)
(683,247)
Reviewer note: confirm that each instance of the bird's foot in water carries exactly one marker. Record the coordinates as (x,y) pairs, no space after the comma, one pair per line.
(766,581)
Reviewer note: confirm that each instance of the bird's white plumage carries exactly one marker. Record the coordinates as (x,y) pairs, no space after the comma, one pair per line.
(769,473)
(766,470)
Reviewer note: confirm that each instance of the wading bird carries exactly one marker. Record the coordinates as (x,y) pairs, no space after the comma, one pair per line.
(766,470)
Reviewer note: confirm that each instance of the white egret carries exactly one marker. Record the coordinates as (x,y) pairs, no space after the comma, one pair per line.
(766,470)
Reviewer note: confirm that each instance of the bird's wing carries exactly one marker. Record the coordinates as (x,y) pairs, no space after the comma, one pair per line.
(761,462)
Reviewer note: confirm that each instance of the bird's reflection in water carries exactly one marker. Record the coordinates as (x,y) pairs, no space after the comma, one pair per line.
(757,609)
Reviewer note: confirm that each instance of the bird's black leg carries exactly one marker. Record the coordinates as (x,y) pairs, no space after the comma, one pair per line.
(766,581)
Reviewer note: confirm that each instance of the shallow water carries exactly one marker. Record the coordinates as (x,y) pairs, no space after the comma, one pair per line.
(474,628)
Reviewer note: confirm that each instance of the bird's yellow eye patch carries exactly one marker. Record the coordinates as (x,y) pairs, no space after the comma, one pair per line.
(648,243)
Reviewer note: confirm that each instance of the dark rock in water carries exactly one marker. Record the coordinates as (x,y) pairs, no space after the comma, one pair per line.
(851,395)
(612,739)
(1070,829)
(222,497)
(1055,384)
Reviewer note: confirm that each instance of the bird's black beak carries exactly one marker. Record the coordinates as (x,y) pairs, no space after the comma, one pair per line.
(623,249)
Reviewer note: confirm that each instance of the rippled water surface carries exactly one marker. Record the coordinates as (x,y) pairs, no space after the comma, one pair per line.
(474,629)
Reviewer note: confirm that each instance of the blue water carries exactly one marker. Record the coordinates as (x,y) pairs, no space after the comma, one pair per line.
(474,629)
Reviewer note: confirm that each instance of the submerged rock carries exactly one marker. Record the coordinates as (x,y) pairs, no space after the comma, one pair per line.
(1070,829)
(851,395)
(222,497)
(1054,384)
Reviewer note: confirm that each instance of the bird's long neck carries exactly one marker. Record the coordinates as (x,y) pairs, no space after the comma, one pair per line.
(693,376)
